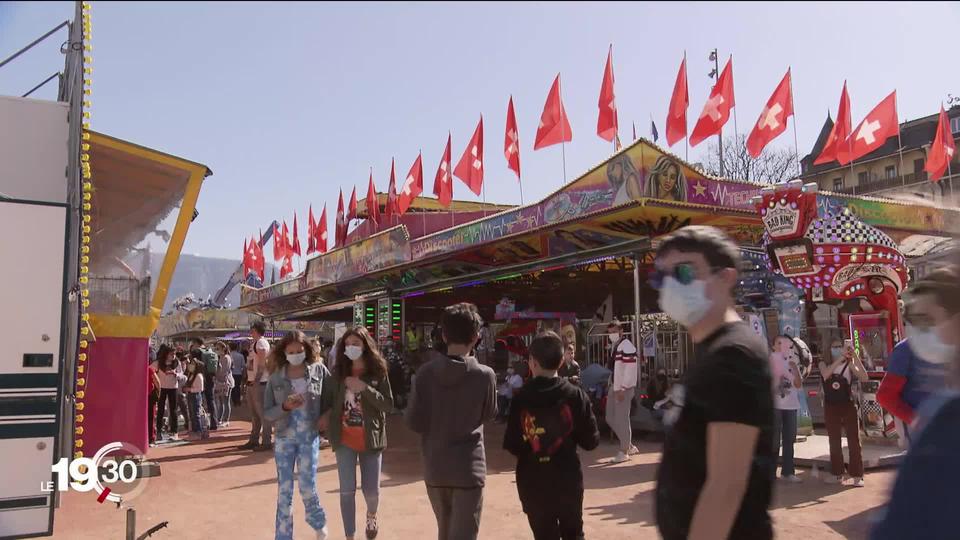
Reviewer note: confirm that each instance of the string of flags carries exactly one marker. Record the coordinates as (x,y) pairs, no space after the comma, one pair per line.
(844,145)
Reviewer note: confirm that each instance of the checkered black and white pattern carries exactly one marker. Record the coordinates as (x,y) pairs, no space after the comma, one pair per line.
(834,229)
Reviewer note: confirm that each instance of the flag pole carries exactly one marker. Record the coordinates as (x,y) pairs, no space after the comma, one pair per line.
(616,121)
(520,182)
(736,130)
(686,139)
(716,71)
(796,146)
(896,114)
(422,212)
(563,135)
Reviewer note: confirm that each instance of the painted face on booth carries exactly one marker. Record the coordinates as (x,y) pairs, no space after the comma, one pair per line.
(669,179)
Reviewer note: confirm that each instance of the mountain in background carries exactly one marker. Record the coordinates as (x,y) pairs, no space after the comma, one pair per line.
(202,276)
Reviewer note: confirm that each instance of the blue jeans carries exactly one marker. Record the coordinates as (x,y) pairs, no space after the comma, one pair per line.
(785,430)
(302,449)
(193,400)
(369,481)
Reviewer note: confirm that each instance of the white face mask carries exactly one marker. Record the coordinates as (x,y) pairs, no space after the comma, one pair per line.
(296,359)
(353,352)
(614,338)
(929,347)
(686,304)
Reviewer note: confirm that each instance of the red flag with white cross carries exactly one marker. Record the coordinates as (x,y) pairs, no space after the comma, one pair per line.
(716,111)
(321,231)
(942,149)
(554,126)
(392,210)
(443,183)
(773,117)
(836,148)
(412,186)
(511,141)
(470,167)
(874,130)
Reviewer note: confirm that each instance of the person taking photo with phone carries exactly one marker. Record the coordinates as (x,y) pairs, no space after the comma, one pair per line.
(840,410)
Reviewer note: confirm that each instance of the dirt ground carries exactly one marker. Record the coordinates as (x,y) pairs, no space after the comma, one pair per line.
(211,490)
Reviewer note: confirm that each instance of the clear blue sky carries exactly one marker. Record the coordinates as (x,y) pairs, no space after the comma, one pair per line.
(288,102)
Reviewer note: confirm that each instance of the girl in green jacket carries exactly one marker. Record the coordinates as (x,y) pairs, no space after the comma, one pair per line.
(356,424)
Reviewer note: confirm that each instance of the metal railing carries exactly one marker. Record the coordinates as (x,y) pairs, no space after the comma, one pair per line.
(119,295)
(876,183)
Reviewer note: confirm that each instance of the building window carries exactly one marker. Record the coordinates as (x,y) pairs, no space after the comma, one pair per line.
(890,171)
(837,184)
(861,178)
(918,165)
(955,124)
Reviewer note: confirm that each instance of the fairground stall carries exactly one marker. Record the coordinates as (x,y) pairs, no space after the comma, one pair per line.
(137,188)
(180,326)
(585,249)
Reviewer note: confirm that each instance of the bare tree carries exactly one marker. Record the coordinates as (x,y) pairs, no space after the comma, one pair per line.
(775,165)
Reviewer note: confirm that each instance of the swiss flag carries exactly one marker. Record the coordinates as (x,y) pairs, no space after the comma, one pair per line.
(874,130)
(341,229)
(285,245)
(677,114)
(443,183)
(716,111)
(295,247)
(311,233)
(278,251)
(352,209)
(321,230)
(511,141)
(607,125)
(773,117)
(287,267)
(836,147)
(392,210)
(373,205)
(257,261)
(554,127)
(412,186)
(942,150)
(246,259)
(470,167)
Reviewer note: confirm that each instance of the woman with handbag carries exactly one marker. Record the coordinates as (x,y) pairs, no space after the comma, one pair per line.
(840,409)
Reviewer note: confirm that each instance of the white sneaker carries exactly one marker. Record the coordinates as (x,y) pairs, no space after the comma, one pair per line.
(833,479)
(322,533)
(858,481)
(619,458)
(175,437)
(792,478)
(633,450)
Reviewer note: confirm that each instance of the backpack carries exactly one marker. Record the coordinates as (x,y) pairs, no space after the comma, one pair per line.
(546,429)
(211,362)
(836,388)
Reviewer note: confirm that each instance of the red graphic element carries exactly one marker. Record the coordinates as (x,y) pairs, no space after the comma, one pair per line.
(716,111)
(836,148)
(470,167)
(773,118)
(103,496)
(554,127)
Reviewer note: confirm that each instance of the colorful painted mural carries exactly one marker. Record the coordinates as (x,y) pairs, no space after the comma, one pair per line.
(389,248)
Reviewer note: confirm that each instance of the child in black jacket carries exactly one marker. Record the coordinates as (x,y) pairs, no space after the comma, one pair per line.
(549,418)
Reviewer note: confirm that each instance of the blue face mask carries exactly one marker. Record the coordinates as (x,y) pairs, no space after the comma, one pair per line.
(836,351)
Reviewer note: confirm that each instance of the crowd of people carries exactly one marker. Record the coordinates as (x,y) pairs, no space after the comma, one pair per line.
(727,421)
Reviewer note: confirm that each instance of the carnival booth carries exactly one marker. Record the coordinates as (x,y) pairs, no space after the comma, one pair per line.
(844,266)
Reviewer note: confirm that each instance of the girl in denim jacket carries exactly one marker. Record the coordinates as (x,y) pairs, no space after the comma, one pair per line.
(295,398)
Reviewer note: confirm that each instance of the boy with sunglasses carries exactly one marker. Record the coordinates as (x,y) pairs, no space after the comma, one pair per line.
(717,471)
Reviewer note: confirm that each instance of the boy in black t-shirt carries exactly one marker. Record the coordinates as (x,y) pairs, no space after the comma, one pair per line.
(549,418)
(716,475)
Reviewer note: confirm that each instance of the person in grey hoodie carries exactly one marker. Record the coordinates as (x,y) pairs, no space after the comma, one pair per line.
(452,397)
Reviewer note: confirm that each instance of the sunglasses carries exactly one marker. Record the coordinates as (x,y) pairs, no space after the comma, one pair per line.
(683,273)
